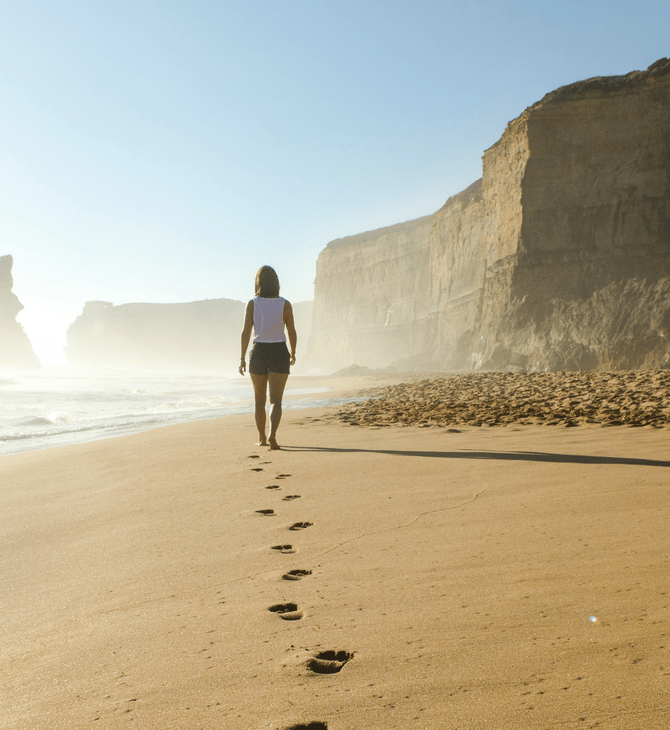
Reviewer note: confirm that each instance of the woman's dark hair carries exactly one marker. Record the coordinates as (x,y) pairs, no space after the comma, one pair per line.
(267,282)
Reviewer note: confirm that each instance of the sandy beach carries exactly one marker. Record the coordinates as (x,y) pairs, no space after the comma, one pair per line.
(378,575)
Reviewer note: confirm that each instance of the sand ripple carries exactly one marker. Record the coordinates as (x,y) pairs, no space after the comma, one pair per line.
(634,398)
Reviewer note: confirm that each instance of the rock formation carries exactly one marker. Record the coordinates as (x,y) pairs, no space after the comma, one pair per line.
(559,258)
(371,297)
(15,348)
(201,336)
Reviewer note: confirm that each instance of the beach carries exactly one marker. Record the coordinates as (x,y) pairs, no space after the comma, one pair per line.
(372,574)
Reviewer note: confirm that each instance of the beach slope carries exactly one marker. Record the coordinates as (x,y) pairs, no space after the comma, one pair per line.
(397,577)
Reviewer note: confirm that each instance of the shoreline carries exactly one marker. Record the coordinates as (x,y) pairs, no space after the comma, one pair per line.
(447,399)
(339,390)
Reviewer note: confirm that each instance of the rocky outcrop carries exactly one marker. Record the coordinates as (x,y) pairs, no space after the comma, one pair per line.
(15,348)
(559,258)
(201,336)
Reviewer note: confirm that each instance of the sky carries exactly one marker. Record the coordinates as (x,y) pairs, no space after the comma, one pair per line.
(162,151)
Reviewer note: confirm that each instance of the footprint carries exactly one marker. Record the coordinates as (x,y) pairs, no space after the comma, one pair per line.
(282,476)
(296,574)
(329,662)
(291,496)
(267,512)
(284,549)
(253,456)
(308,726)
(273,486)
(257,468)
(300,525)
(287,611)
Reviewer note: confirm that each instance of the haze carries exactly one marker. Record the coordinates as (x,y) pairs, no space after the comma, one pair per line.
(163,152)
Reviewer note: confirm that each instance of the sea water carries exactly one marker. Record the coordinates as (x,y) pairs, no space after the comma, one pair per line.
(59,406)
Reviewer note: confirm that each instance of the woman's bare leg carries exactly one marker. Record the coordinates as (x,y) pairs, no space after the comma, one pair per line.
(260,383)
(276,382)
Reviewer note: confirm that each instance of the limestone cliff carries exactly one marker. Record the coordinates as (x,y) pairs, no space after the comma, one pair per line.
(559,258)
(457,270)
(578,275)
(371,301)
(15,348)
(202,336)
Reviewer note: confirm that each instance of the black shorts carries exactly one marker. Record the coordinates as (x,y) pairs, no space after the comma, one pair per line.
(269,357)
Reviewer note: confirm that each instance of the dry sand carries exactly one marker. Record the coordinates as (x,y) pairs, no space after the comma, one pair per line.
(479,577)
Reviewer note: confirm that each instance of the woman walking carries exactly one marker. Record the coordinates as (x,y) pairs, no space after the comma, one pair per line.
(268,315)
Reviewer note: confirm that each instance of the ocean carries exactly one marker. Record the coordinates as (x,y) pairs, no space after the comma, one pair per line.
(59,406)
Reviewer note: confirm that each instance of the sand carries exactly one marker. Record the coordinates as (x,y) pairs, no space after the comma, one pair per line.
(472,577)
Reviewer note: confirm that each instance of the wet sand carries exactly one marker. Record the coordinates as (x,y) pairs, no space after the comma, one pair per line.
(387,576)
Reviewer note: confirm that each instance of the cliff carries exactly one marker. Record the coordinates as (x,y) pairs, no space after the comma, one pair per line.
(457,271)
(559,258)
(370,298)
(580,279)
(15,348)
(202,336)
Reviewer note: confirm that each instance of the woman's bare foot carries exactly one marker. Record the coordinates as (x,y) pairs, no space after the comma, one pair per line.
(262,442)
(274,446)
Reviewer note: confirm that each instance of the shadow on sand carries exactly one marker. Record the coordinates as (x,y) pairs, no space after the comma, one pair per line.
(494,455)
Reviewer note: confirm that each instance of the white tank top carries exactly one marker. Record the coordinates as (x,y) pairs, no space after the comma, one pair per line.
(269,319)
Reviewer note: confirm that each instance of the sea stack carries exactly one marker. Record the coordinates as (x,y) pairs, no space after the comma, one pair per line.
(15,348)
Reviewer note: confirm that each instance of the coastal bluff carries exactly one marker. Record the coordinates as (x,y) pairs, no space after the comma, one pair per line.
(200,336)
(15,348)
(557,259)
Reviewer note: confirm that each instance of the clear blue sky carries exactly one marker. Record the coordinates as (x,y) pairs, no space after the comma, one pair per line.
(163,151)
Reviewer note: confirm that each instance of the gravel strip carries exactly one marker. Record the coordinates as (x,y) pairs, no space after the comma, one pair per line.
(632,398)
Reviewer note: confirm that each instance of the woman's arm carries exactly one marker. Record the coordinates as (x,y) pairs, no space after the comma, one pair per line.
(290,329)
(246,334)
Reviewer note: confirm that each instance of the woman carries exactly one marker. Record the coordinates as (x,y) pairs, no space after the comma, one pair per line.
(268,314)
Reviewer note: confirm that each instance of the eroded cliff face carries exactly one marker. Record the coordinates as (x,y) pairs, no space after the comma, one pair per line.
(372,301)
(587,285)
(202,336)
(458,266)
(15,348)
(559,258)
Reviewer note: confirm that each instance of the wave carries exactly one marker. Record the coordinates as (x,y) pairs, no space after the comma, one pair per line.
(56,408)
(24,435)
(53,419)
(185,404)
